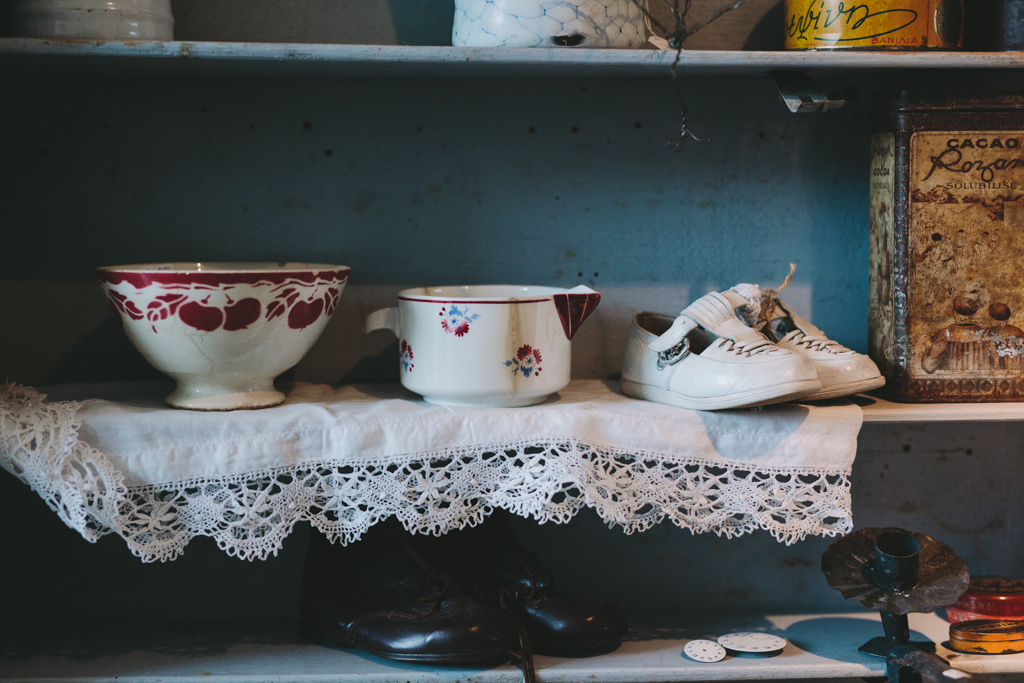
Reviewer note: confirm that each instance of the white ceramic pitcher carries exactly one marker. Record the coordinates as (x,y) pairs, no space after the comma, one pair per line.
(486,346)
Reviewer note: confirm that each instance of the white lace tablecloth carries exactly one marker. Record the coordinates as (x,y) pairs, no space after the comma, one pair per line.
(112,458)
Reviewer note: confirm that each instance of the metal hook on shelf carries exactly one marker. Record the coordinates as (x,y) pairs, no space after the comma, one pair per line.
(801,94)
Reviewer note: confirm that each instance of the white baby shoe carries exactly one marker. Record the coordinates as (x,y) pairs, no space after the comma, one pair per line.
(842,372)
(707,359)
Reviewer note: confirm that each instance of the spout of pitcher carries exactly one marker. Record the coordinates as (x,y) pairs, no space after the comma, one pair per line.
(574,307)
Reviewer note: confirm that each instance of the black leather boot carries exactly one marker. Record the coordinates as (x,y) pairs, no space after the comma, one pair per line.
(375,596)
(491,565)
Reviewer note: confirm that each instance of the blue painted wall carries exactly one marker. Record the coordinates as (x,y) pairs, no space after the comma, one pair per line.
(438,182)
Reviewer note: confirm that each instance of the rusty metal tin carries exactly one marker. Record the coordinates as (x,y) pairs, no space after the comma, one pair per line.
(946,293)
(987,636)
(990,597)
(874,25)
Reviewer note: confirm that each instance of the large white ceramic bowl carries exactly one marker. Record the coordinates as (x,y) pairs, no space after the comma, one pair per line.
(486,346)
(223,331)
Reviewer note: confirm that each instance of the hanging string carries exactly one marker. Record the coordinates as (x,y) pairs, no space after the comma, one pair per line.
(676,38)
(768,304)
(684,129)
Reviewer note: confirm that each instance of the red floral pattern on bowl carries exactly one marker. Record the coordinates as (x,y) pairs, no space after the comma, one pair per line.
(224,331)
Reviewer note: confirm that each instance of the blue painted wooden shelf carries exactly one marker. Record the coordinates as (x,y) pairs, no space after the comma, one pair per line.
(35,56)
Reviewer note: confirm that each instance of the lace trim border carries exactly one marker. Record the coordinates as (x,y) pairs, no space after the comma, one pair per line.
(550,480)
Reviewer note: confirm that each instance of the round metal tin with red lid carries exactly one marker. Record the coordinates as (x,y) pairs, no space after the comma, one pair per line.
(954,615)
(989,597)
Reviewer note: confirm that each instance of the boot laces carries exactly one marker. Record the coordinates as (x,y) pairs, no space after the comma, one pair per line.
(511,601)
(437,576)
(524,658)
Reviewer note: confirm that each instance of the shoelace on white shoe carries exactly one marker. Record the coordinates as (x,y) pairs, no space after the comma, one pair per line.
(751,347)
(817,342)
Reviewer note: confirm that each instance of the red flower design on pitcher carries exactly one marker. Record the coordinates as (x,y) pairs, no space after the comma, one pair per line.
(406,349)
(456,320)
(527,361)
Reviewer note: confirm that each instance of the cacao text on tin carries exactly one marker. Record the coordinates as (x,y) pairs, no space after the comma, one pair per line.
(855,16)
(952,159)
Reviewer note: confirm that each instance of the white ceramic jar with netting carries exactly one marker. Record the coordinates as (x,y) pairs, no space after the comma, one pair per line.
(547,23)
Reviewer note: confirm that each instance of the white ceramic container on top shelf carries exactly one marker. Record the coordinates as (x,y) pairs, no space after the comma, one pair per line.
(486,346)
(223,331)
(93,19)
(548,23)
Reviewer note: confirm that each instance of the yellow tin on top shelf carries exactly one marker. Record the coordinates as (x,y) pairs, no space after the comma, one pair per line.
(874,24)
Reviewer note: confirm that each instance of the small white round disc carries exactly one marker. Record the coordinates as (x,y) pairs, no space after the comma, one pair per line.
(752,641)
(704,651)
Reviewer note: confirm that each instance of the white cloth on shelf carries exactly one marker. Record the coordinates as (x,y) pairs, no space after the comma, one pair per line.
(345,458)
